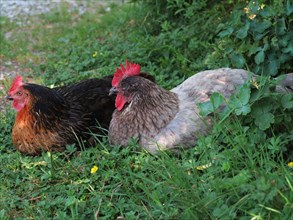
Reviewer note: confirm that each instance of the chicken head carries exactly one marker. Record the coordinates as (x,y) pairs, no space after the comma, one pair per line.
(18,94)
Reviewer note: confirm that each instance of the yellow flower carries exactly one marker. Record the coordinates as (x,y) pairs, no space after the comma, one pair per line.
(255,84)
(252,16)
(203,167)
(290,164)
(94,169)
(95,54)
(246,10)
(262,6)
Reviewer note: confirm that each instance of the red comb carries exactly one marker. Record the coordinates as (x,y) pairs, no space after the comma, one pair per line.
(131,69)
(17,82)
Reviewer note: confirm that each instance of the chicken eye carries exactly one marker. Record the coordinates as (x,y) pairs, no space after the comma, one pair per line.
(19,93)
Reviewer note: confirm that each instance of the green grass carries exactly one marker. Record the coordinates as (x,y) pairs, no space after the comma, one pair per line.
(239,171)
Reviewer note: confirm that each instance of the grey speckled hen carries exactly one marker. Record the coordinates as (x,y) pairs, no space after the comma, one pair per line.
(162,119)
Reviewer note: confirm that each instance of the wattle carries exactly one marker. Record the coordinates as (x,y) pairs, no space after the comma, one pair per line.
(18,106)
(120,102)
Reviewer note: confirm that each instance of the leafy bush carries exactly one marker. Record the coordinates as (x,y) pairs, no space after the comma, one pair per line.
(257,36)
(199,35)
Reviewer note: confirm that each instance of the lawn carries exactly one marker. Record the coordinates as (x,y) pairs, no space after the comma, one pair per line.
(241,170)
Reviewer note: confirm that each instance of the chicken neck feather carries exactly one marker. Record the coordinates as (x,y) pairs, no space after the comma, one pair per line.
(150,109)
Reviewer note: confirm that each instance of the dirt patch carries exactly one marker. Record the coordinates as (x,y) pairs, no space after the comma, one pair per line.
(21,10)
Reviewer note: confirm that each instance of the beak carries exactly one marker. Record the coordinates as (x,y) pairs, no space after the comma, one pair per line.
(9,97)
(113,91)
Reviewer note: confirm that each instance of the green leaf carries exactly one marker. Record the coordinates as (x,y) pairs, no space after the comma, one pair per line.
(289,8)
(205,108)
(238,60)
(243,110)
(217,100)
(259,58)
(272,67)
(258,36)
(226,32)
(242,33)
(239,101)
(283,58)
(280,26)
(71,200)
(267,12)
(275,42)
(220,211)
(262,115)
(274,145)
(283,41)
(254,48)
(244,94)
(288,49)
(263,106)
(264,121)
(226,166)
(287,101)
(260,27)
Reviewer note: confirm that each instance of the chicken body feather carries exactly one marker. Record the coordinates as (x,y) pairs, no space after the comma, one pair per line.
(53,118)
(163,119)
(187,125)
